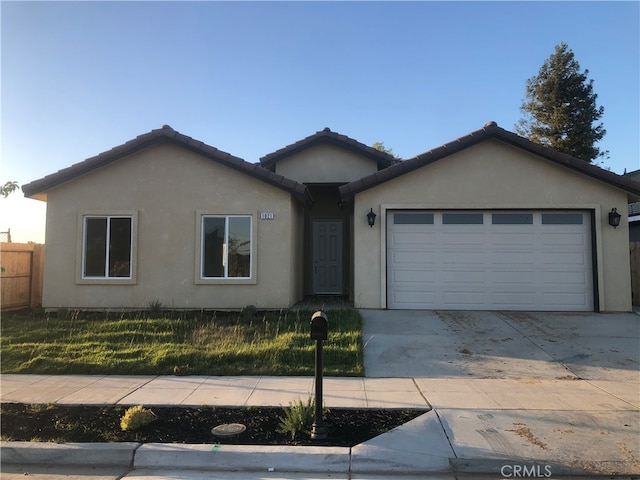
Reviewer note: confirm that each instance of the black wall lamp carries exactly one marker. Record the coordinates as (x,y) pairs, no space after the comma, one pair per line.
(614,218)
(371,218)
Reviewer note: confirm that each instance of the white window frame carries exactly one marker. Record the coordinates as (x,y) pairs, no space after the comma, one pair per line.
(200,244)
(81,278)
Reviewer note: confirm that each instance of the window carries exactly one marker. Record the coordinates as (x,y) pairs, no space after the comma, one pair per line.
(512,218)
(226,247)
(413,218)
(462,218)
(107,247)
(562,219)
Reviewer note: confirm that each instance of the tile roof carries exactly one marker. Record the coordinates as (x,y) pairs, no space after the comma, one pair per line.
(489,131)
(38,188)
(327,136)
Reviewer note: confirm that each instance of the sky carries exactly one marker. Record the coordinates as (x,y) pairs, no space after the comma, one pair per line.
(79,78)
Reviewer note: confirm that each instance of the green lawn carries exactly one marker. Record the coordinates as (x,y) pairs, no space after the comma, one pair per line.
(202,343)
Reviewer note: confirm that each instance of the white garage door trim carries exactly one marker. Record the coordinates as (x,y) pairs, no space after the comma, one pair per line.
(489,260)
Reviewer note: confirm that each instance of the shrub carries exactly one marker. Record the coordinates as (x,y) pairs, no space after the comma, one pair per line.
(136,417)
(249,311)
(181,369)
(156,308)
(298,418)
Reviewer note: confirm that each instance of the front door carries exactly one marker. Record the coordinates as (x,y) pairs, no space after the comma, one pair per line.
(327,257)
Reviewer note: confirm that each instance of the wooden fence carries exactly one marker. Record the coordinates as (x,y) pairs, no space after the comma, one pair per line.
(634,254)
(22,270)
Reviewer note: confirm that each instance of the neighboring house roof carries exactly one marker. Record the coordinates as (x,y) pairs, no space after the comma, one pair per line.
(635,175)
(38,188)
(634,207)
(489,131)
(326,136)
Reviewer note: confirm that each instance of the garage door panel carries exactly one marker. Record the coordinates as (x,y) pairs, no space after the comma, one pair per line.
(469,299)
(557,238)
(566,259)
(416,299)
(565,278)
(515,258)
(412,238)
(515,278)
(413,276)
(414,257)
(463,238)
(510,240)
(462,276)
(531,265)
(461,258)
(564,301)
(511,300)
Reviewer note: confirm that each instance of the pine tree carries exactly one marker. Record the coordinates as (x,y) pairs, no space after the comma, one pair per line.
(560,108)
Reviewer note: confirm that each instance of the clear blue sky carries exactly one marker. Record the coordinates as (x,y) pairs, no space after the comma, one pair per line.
(79,78)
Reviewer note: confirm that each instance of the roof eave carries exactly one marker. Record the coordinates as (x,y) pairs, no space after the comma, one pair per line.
(491,131)
(382,159)
(38,189)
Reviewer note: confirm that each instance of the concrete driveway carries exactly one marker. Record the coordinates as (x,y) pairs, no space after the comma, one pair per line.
(450,344)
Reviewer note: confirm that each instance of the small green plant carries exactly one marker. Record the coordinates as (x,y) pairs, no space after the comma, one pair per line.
(181,370)
(136,417)
(298,418)
(155,308)
(249,311)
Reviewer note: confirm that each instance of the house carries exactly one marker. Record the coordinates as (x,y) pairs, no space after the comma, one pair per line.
(489,221)
(634,211)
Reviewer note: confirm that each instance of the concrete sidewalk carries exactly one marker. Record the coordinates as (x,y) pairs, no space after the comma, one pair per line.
(479,426)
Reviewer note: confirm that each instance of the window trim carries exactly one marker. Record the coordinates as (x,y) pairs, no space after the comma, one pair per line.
(199,249)
(80,256)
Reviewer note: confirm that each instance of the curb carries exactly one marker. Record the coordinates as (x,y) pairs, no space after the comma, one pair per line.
(180,456)
(243,457)
(265,458)
(29,453)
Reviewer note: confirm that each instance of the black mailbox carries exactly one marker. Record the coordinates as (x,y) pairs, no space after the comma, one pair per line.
(319,326)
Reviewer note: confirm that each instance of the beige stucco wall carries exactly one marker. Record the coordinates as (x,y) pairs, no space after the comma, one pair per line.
(165,186)
(326,163)
(487,176)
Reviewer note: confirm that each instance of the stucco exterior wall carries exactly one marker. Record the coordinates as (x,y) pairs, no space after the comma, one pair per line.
(166,186)
(325,164)
(493,175)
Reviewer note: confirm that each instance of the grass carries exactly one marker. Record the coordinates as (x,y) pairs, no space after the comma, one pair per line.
(193,343)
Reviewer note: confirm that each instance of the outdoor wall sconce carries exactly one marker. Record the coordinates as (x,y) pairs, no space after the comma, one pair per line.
(614,218)
(371,218)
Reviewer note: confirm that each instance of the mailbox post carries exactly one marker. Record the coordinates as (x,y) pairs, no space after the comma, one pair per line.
(319,333)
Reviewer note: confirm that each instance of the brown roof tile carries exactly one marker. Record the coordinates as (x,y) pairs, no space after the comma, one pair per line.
(490,130)
(327,136)
(164,134)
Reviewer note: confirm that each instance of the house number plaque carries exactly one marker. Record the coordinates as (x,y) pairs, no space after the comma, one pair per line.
(266,216)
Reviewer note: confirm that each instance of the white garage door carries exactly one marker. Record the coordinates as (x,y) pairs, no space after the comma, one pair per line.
(493,260)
